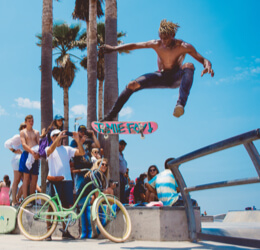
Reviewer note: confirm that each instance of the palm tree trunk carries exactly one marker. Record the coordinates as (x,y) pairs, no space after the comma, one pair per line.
(100,99)
(92,64)
(46,77)
(66,111)
(111,85)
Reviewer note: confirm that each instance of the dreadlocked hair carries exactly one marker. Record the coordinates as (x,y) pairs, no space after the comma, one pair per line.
(168,28)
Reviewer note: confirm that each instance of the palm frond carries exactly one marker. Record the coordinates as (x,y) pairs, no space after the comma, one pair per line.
(81,10)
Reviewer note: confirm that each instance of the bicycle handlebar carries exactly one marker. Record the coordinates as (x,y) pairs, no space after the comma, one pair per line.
(75,171)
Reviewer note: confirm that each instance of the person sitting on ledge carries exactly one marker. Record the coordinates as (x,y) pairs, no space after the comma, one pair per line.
(166,188)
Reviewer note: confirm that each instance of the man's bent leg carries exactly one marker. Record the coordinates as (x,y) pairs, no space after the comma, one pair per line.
(186,83)
(121,100)
(150,80)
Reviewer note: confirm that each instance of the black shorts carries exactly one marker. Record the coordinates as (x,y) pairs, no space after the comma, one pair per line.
(65,191)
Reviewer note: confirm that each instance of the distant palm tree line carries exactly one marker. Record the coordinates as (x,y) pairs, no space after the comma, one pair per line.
(65,38)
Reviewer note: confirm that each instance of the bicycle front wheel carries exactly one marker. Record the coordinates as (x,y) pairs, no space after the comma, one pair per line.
(113,220)
(32,219)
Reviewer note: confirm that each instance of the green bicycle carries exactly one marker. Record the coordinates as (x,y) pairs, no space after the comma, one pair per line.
(39,214)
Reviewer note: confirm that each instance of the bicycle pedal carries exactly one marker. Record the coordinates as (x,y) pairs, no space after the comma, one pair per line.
(62,230)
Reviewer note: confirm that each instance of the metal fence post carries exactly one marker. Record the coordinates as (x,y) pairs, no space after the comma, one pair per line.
(187,202)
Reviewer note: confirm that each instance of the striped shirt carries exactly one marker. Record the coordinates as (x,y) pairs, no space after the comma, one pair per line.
(166,187)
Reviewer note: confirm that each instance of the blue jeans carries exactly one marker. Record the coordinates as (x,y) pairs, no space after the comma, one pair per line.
(174,78)
(78,178)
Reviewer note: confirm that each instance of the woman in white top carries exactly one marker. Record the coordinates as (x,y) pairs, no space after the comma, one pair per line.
(14,144)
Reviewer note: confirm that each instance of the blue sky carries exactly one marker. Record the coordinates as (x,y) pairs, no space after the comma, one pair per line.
(225,32)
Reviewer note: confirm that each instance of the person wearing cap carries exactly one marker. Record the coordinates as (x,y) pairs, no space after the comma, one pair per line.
(58,157)
(57,123)
(80,162)
(122,170)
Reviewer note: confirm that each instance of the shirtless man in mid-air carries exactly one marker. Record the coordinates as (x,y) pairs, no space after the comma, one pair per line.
(29,138)
(171,72)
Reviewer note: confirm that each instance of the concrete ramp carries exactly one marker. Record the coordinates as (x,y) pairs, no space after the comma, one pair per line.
(239,224)
(243,216)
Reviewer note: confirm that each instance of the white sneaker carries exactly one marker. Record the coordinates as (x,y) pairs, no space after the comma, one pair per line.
(178,110)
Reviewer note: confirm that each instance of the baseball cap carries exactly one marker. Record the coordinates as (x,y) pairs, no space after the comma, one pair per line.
(58,117)
(55,132)
(82,127)
(122,142)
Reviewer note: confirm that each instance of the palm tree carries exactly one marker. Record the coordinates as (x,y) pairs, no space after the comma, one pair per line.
(111,83)
(65,38)
(64,75)
(46,77)
(101,63)
(88,11)
(92,64)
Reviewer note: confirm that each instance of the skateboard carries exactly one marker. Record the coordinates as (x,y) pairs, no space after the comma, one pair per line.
(7,219)
(115,128)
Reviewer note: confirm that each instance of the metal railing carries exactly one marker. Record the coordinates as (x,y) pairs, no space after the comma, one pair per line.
(246,139)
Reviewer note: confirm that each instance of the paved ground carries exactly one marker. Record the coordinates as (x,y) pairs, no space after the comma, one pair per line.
(16,241)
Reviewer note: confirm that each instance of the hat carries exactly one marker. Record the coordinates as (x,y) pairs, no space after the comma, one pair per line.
(58,117)
(55,132)
(82,127)
(122,142)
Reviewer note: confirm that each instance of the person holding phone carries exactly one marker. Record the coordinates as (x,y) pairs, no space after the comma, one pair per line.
(80,162)
(58,157)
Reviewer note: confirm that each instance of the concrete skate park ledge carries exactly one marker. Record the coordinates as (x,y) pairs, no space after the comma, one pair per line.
(151,224)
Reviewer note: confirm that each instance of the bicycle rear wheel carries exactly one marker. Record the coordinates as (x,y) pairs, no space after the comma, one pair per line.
(114,223)
(32,222)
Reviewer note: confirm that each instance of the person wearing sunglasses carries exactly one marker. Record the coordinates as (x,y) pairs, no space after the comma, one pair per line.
(58,157)
(152,172)
(95,155)
(101,170)
(164,186)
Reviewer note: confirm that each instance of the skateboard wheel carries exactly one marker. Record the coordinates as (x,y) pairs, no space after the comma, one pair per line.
(140,126)
(106,136)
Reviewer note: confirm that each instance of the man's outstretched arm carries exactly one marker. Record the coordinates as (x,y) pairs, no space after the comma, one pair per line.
(130,46)
(205,62)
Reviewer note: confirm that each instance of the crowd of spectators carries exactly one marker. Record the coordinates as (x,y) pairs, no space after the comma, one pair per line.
(65,168)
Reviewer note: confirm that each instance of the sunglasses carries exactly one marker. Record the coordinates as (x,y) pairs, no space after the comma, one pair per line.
(95,152)
(104,164)
(152,170)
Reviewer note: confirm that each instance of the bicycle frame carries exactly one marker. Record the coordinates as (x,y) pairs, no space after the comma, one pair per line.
(68,214)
